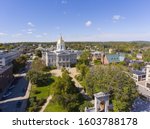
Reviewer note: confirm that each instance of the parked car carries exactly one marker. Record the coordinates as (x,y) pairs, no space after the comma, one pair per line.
(7,94)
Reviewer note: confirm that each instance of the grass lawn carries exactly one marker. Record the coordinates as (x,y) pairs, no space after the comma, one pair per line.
(44,90)
(54,108)
(41,94)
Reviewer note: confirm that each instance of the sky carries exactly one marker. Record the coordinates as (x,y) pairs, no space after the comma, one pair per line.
(75,20)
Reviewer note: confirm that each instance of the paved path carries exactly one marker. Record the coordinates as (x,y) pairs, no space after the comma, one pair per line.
(45,105)
(72,72)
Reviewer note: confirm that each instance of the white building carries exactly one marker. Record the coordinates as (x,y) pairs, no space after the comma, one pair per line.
(144,86)
(148,73)
(139,75)
(6,58)
(60,57)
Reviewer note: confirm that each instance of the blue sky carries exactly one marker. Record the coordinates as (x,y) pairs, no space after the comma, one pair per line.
(75,20)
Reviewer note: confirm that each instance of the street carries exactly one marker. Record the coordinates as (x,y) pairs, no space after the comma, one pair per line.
(17,101)
(9,104)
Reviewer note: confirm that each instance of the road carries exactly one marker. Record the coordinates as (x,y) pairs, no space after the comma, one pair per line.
(17,101)
(19,93)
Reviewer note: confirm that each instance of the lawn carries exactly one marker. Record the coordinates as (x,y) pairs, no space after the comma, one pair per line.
(54,108)
(38,95)
(44,90)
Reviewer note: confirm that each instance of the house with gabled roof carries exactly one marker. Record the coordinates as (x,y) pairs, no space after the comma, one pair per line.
(112,58)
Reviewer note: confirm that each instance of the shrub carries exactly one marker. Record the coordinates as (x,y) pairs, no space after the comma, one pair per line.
(36,92)
(41,102)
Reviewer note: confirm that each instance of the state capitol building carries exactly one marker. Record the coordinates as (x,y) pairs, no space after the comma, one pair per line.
(60,57)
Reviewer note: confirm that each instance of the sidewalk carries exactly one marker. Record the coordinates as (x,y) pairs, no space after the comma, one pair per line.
(45,105)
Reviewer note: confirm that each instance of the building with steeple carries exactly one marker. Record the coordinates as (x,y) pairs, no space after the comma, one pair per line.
(60,57)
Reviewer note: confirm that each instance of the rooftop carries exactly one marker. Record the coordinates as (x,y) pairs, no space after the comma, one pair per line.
(101,94)
(137,72)
(4,68)
(113,58)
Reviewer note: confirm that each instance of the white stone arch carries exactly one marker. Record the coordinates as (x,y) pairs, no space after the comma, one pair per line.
(99,97)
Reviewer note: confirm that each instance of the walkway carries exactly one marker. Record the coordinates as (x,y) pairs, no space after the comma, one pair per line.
(46,104)
(72,72)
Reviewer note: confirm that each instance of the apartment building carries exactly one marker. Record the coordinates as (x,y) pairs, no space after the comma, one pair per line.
(6,58)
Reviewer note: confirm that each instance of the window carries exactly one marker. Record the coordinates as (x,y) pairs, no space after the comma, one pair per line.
(59,58)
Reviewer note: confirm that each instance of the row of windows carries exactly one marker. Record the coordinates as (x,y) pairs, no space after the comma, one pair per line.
(52,60)
(63,59)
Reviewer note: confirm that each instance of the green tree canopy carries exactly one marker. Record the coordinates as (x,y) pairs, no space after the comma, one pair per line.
(84,58)
(146,55)
(38,65)
(66,94)
(38,78)
(113,80)
(38,53)
(19,63)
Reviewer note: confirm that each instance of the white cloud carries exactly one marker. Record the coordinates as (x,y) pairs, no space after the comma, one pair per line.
(3,34)
(30,24)
(116,18)
(88,23)
(30,30)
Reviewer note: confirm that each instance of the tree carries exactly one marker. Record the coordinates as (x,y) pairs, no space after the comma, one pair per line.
(137,66)
(146,55)
(111,79)
(38,53)
(38,78)
(84,58)
(97,62)
(83,70)
(38,65)
(19,63)
(66,94)
(85,104)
